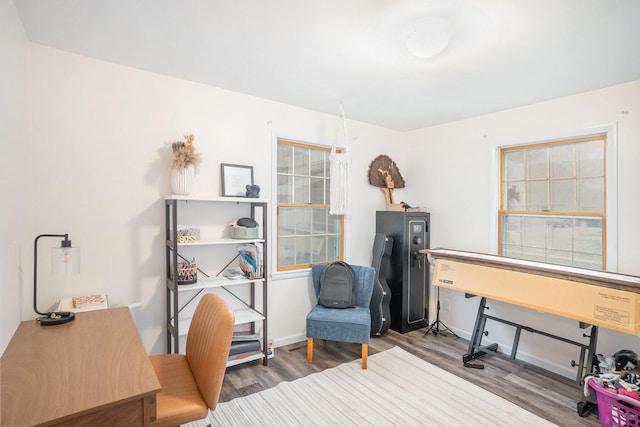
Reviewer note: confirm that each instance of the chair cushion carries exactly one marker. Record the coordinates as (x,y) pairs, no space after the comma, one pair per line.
(179,401)
(349,324)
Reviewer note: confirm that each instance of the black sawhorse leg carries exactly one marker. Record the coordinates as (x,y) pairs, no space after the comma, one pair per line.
(476,349)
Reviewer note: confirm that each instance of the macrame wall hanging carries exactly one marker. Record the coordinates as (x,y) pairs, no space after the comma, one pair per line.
(340,189)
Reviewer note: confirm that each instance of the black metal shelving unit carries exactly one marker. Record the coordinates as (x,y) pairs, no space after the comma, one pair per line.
(253,312)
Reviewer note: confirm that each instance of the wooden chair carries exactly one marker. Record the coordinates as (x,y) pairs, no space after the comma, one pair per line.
(348,324)
(191,383)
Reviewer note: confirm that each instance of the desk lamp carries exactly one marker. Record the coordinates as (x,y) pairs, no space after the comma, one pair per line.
(64,259)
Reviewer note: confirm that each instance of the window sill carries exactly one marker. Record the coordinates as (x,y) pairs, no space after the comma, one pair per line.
(293,274)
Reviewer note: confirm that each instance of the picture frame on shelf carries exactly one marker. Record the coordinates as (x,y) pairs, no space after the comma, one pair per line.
(235,179)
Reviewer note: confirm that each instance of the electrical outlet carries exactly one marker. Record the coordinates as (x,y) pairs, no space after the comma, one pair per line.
(445,304)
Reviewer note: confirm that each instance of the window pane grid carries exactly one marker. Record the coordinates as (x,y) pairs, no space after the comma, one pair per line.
(307,233)
(307,181)
(526,170)
(553,202)
(575,241)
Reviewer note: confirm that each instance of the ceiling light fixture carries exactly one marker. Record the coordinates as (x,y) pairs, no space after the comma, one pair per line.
(415,30)
(428,38)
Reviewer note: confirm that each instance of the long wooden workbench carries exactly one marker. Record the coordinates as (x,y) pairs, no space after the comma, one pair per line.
(593,298)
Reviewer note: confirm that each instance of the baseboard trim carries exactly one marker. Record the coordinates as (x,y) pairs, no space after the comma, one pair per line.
(291,339)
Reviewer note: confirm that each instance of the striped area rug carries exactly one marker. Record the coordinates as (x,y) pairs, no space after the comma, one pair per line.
(397,389)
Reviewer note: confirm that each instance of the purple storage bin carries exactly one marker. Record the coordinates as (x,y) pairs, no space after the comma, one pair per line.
(616,410)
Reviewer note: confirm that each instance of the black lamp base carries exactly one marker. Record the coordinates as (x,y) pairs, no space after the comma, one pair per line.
(56,318)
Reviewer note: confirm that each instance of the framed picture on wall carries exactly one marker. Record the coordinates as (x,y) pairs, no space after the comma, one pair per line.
(235,179)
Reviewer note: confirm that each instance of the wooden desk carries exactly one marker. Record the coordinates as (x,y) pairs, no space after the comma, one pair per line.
(92,371)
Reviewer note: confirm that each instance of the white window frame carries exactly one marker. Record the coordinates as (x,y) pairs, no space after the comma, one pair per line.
(611,165)
(273,236)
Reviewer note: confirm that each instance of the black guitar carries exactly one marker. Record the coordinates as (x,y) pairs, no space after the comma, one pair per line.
(379,307)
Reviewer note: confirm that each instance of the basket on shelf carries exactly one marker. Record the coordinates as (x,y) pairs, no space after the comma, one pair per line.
(187,273)
(616,410)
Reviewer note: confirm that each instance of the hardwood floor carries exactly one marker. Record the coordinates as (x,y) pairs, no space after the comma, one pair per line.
(544,396)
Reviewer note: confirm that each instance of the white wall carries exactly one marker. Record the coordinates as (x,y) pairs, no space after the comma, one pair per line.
(16,167)
(457,180)
(101,134)
(99,170)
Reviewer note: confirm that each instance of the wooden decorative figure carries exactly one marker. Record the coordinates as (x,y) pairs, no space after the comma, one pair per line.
(384,173)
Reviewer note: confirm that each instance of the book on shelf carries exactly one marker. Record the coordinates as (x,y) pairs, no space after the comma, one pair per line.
(242,347)
(246,336)
(243,355)
(248,345)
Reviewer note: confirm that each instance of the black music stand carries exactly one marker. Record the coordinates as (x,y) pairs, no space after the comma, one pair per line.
(435,326)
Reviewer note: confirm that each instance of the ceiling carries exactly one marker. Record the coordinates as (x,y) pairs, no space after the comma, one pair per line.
(313,53)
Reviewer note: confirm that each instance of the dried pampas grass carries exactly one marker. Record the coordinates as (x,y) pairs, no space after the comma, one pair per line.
(184,154)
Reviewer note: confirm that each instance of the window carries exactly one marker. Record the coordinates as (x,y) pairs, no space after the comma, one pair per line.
(553,202)
(307,233)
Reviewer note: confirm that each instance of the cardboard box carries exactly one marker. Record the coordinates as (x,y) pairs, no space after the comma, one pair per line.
(596,305)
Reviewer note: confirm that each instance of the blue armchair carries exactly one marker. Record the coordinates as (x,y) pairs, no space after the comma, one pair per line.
(348,324)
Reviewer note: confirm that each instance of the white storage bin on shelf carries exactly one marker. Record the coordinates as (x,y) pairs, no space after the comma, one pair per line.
(247,296)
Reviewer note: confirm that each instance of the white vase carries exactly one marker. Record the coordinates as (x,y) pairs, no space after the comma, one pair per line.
(182,180)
